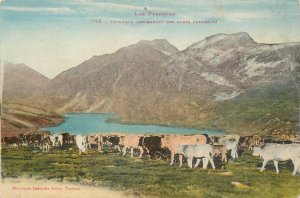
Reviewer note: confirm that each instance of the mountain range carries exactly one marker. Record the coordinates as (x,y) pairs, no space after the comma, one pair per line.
(226,81)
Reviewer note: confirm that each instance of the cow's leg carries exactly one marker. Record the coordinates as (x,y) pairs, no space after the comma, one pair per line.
(180,160)
(232,153)
(263,165)
(236,154)
(131,152)
(296,166)
(141,151)
(124,151)
(99,147)
(118,147)
(276,166)
(197,162)
(225,157)
(190,162)
(147,150)
(205,163)
(172,158)
(212,162)
(100,143)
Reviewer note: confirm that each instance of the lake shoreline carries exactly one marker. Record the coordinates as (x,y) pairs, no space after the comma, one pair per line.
(119,121)
(87,123)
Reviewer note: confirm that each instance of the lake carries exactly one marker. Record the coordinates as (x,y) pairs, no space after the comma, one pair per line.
(87,123)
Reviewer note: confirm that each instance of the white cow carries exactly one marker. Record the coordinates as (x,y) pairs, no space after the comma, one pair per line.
(232,145)
(81,142)
(172,142)
(279,152)
(192,151)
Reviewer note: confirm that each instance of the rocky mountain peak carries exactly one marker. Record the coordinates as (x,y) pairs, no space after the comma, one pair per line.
(161,45)
(240,39)
(23,69)
(20,81)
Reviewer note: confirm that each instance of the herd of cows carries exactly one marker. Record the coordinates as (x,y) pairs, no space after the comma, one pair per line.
(198,146)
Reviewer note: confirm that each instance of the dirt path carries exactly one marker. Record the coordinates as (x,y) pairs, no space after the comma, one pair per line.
(28,188)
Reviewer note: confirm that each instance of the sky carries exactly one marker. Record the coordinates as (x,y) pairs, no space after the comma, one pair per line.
(51,36)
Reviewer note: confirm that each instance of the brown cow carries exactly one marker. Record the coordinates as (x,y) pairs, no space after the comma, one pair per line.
(131,141)
(13,142)
(220,150)
(95,139)
(152,144)
(112,141)
(34,138)
(172,142)
(68,139)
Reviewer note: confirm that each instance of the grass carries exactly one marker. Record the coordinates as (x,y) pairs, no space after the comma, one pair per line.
(154,178)
(252,110)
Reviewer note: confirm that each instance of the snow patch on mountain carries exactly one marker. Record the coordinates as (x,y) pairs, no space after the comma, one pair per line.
(225,96)
(220,80)
(254,68)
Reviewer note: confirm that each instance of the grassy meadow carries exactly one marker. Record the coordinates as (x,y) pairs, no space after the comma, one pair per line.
(153,178)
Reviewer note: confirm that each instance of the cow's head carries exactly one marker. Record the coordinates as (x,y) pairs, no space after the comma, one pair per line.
(256,151)
(163,141)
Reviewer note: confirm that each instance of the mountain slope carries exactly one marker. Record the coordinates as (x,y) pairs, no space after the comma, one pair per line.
(227,65)
(226,81)
(20,81)
(103,82)
(20,118)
